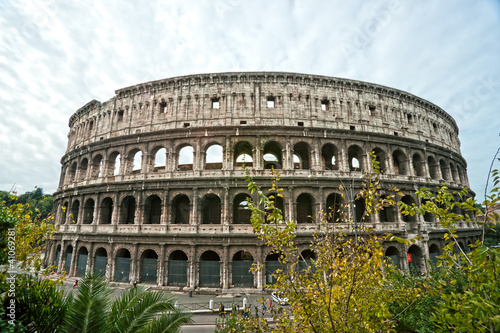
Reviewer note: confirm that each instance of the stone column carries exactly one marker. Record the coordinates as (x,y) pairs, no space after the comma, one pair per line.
(161,266)
(259,273)
(194,211)
(72,270)
(225,268)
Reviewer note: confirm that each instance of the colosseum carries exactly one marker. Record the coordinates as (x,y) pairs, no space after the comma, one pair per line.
(152,185)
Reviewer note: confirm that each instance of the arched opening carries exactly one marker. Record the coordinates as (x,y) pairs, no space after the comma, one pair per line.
(415,260)
(113,167)
(75,207)
(64,212)
(122,266)
(213,157)
(177,268)
(399,162)
(160,157)
(418,165)
(134,161)
(306,260)
(81,262)
(277,202)
(106,211)
(69,256)
(127,210)
(334,209)
(387,214)
(330,157)
(454,174)
(407,199)
(241,213)
(82,172)
(243,154)
(242,276)
(181,209)
(149,266)
(272,155)
(356,158)
(100,262)
(433,253)
(359,210)
(211,209)
(209,269)
(272,265)
(58,257)
(444,170)
(305,208)
(186,158)
(392,256)
(428,217)
(152,210)
(96,170)
(71,173)
(431,162)
(301,150)
(381,158)
(88,211)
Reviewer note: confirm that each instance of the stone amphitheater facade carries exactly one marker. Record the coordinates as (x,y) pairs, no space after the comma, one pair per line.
(152,185)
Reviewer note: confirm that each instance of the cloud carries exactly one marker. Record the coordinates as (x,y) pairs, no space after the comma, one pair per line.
(56,56)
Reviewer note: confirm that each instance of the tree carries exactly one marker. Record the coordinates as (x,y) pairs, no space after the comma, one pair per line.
(139,311)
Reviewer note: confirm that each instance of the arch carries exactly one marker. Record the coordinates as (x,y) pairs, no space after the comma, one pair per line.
(306,259)
(392,256)
(114,164)
(181,209)
(185,158)
(399,162)
(356,158)
(301,150)
(127,210)
(388,213)
(100,261)
(444,170)
(408,199)
(75,207)
(210,209)
(278,204)
(241,213)
(81,262)
(149,267)
(418,165)
(82,170)
(305,212)
(415,260)
(96,168)
(330,156)
(106,211)
(272,155)
(454,173)
(58,257)
(71,173)
(381,158)
(177,268)
(433,253)
(69,256)
(272,265)
(160,158)
(133,163)
(64,212)
(334,208)
(122,266)
(88,211)
(428,217)
(243,152)
(431,162)
(241,264)
(209,269)
(360,210)
(213,157)
(152,210)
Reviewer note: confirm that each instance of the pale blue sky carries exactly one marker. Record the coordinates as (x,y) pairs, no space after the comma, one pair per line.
(57,56)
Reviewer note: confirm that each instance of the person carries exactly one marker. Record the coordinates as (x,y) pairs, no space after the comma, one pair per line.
(270,304)
(245,311)
(222,313)
(263,310)
(135,284)
(76,284)
(256,312)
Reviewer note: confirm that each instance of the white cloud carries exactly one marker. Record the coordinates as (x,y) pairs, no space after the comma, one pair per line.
(56,56)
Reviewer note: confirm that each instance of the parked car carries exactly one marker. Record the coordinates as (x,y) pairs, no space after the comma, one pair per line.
(279,298)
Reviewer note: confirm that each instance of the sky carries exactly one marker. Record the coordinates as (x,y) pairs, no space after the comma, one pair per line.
(55,56)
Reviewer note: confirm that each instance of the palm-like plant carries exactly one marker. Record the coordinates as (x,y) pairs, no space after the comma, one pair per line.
(139,311)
